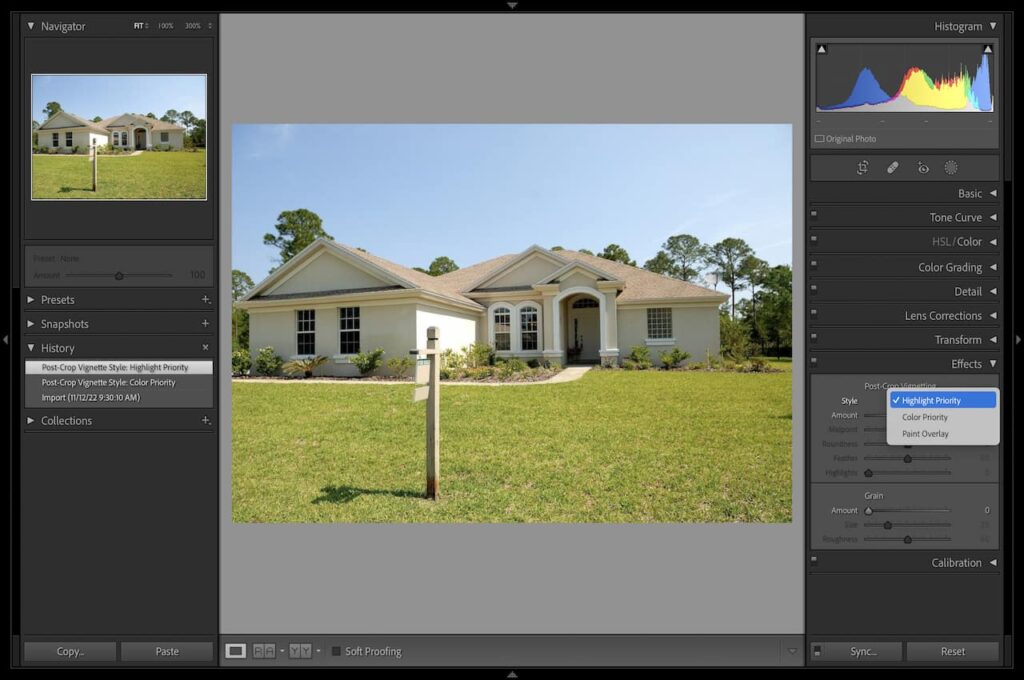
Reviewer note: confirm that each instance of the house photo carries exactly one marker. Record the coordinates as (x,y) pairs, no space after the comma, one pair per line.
(565,306)
(118,137)
(65,131)
(614,312)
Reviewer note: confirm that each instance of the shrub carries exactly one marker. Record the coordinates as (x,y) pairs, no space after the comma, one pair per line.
(510,367)
(368,362)
(638,359)
(305,366)
(268,363)
(241,362)
(674,358)
(401,366)
(478,373)
(533,363)
(452,360)
(757,365)
(553,365)
(735,338)
(479,354)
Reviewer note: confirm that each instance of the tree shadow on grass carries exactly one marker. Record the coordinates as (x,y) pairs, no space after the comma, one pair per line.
(68,190)
(347,494)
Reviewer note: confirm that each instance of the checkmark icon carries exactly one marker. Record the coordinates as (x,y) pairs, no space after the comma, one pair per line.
(895,400)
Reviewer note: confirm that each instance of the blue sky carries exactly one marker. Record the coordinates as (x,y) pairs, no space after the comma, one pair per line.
(412,192)
(111,95)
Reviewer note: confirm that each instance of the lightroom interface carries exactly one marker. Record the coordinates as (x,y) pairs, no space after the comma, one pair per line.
(511,339)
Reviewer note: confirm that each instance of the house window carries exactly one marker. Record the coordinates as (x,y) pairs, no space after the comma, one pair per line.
(69,139)
(56,139)
(529,324)
(305,327)
(117,139)
(502,329)
(659,322)
(348,330)
(165,136)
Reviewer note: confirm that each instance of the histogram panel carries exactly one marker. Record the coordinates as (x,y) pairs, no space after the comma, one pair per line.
(905,77)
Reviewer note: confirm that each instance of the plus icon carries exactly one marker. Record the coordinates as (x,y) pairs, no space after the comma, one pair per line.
(205,323)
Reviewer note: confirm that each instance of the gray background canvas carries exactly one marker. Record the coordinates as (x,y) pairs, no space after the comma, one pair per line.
(512,68)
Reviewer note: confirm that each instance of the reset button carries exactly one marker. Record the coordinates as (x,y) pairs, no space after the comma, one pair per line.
(953,652)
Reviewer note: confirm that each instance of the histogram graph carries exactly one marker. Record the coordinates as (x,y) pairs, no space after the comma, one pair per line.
(904,77)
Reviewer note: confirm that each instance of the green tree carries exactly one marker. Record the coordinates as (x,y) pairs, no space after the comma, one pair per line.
(775,309)
(150,115)
(662,264)
(556,248)
(196,137)
(725,257)
(442,265)
(187,119)
(96,119)
(687,253)
(296,229)
(753,270)
(241,284)
(171,116)
(616,253)
(585,251)
(52,109)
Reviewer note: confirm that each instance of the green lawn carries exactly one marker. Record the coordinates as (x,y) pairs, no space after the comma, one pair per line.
(614,446)
(151,174)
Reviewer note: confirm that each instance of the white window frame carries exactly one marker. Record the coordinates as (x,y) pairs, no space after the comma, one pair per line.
(358,329)
(300,331)
(165,137)
(55,140)
(529,304)
(69,139)
(492,331)
(659,339)
(515,344)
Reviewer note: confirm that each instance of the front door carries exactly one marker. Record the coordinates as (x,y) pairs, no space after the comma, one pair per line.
(584,332)
(140,138)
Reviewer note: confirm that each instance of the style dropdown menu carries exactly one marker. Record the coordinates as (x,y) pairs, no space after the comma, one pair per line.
(942,417)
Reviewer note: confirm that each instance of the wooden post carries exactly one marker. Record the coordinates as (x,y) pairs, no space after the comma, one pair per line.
(434,415)
(95,159)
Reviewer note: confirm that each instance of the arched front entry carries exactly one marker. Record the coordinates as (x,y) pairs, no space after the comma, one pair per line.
(582,329)
(140,138)
(580,320)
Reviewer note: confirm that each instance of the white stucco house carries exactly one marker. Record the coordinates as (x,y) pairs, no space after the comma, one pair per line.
(64,131)
(334,300)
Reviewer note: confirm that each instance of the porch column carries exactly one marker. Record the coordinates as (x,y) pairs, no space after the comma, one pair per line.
(549,322)
(609,351)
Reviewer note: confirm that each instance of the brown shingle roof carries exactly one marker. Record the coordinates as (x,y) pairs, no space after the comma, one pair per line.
(157,124)
(640,283)
(434,284)
(85,123)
